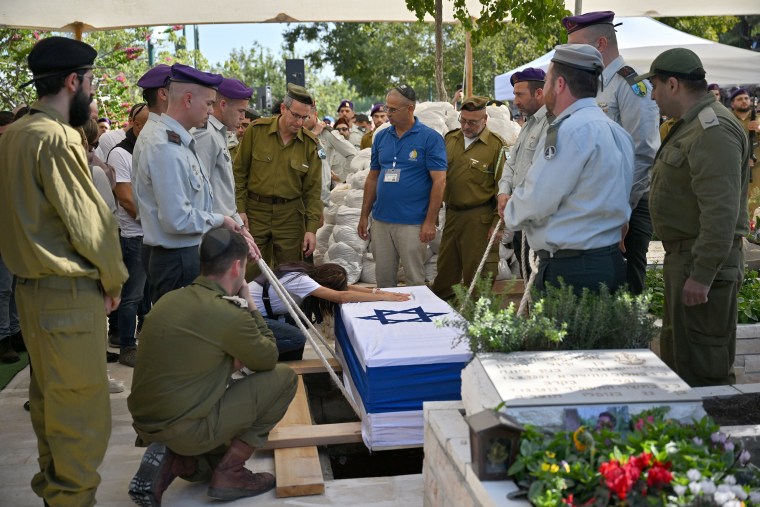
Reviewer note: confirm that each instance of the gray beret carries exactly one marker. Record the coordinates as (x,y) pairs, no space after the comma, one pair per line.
(579,56)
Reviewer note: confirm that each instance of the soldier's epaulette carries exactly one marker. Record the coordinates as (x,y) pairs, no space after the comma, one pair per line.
(173,137)
(708,118)
(627,73)
(237,301)
(311,135)
(497,136)
(452,132)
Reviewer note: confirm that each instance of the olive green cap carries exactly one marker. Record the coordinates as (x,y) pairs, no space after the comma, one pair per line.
(300,94)
(678,62)
(475,103)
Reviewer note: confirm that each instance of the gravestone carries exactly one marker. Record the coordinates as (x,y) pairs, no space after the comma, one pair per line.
(538,387)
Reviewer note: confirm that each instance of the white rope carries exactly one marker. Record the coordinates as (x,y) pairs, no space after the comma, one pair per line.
(527,257)
(299,317)
(482,263)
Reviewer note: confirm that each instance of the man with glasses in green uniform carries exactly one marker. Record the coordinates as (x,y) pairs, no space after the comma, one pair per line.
(278,182)
(476,158)
(62,242)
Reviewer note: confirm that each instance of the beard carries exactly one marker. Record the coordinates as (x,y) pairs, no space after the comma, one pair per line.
(79,109)
(743,109)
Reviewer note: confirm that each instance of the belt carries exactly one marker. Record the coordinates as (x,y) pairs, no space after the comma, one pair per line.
(467,208)
(59,282)
(686,244)
(268,200)
(563,254)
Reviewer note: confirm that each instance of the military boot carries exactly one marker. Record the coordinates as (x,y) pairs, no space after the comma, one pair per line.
(231,480)
(158,468)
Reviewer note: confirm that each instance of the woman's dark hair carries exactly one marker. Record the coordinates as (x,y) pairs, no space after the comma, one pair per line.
(332,276)
(90,129)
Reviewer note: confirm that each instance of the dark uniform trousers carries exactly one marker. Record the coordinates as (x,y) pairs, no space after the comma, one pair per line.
(171,268)
(699,342)
(248,410)
(64,325)
(278,230)
(463,243)
(582,269)
(636,246)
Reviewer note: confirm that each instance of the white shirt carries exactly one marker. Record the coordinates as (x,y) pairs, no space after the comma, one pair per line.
(521,154)
(121,160)
(579,198)
(298,285)
(107,141)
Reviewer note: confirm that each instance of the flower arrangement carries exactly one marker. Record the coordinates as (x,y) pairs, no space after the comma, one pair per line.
(654,462)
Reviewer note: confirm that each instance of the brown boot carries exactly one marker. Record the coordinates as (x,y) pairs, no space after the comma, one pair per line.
(158,468)
(231,480)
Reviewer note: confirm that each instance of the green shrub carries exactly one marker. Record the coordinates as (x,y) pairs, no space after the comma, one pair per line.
(558,320)
(655,283)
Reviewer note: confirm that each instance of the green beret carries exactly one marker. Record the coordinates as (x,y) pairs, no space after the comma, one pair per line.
(56,55)
(300,94)
(475,103)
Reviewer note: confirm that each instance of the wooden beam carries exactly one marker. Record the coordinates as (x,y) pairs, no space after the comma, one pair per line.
(468,91)
(78,26)
(305,366)
(302,435)
(297,469)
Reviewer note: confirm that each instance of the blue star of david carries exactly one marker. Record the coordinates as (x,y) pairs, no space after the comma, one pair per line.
(419,315)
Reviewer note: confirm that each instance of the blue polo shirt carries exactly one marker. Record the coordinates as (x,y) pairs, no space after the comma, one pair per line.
(416,153)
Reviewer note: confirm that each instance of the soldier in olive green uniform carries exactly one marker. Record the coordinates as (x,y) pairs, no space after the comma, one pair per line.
(475,162)
(61,241)
(182,401)
(699,210)
(278,182)
(741,106)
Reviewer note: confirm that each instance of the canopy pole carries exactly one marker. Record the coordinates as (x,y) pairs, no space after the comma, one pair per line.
(468,92)
(78,30)
(578,7)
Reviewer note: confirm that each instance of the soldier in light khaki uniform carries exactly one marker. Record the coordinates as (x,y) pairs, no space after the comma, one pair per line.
(475,160)
(62,242)
(699,210)
(278,182)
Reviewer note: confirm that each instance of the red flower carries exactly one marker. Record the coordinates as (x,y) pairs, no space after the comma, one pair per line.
(619,478)
(659,475)
(643,460)
(177,27)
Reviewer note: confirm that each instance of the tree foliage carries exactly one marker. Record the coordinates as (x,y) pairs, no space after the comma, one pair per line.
(373,56)
(707,27)
(538,14)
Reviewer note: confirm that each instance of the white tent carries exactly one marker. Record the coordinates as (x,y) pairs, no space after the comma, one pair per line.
(109,14)
(640,40)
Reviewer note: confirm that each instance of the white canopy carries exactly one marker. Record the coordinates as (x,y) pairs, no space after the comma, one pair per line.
(640,40)
(110,14)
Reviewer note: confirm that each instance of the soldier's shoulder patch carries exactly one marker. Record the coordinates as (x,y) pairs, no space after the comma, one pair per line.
(452,132)
(173,137)
(627,73)
(708,118)
(237,301)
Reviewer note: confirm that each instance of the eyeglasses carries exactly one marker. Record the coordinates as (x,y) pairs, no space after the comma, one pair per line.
(344,129)
(393,110)
(469,123)
(94,82)
(298,116)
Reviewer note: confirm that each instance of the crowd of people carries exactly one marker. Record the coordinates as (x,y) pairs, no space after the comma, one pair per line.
(103,226)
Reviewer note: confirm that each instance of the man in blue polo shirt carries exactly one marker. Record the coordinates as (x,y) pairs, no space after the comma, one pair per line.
(404,191)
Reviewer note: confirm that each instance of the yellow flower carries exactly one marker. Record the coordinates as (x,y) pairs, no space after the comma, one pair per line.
(566,466)
(577,439)
(550,455)
(552,468)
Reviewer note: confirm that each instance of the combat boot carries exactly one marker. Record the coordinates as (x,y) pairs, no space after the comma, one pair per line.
(231,480)
(158,468)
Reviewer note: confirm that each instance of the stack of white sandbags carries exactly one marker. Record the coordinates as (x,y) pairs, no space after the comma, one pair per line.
(439,116)
(500,122)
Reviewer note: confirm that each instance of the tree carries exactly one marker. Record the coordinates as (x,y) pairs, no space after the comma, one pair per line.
(707,27)
(373,56)
(15,46)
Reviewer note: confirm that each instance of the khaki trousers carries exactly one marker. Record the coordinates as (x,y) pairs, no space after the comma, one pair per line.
(699,342)
(278,230)
(393,242)
(64,326)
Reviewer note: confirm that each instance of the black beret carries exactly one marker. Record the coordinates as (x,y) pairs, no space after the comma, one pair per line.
(56,55)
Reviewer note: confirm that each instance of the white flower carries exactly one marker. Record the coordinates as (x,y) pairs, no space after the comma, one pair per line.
(680,489)
(671,448)
(739,492)
(733,503)
(693,475)
(695,488)
(754,496)
(729,446)
(718,437)
(722,497)
(708,487)
(729,479)
(697,441)
(744,457)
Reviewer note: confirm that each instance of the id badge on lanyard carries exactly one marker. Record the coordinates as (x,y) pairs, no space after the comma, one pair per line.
(392,175)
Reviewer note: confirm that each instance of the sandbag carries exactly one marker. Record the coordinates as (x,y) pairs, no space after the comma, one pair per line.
(368,270)
(349,236)
(338,194)
(345,256)
(354,198)
(361,161)
(348,216)
(330,212)
(500,122)
(357,180)
(323,236)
